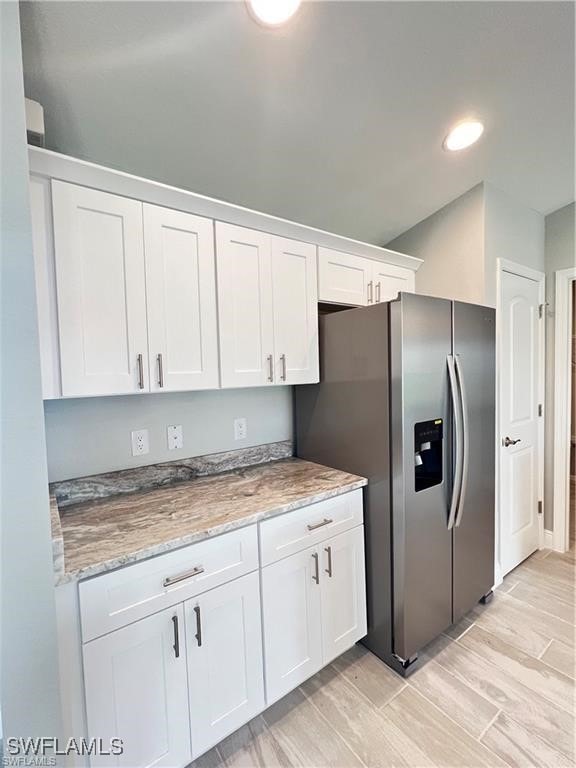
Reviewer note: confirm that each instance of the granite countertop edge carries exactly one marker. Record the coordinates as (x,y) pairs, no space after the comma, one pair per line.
(62,576)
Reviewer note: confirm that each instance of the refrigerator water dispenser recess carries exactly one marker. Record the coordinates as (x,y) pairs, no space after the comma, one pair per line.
(428,454)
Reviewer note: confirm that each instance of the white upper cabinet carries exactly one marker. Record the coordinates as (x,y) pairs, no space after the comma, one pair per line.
(294,291)
(343,278)
(389,280)
(99,255)
(267,298)
(181,300)
(358,281)
(244,306)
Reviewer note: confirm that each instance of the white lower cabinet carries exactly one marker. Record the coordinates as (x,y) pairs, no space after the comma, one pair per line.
(224,649)
(292,622)
(314,608)
(173,684)
(343,593)
(136,690)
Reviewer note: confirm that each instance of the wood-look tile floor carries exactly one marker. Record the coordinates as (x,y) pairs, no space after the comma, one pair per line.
(497,690)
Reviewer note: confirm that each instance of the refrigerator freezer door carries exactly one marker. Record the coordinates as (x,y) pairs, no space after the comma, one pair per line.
(420,342)
(473,543)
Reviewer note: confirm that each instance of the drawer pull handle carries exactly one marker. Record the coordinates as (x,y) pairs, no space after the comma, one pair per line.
(169,580)
(198,634)
(283,363)
(328,551)
(322,523)
(316,576)
(176,645)
(270,367)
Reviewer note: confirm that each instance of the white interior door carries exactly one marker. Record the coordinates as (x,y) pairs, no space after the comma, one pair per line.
(224,640)
(181,300)
(295,297)
(519,434)
(136,690)
(99,253)
(244,306)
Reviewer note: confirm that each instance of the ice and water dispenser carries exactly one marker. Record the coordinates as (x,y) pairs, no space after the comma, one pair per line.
(428,447)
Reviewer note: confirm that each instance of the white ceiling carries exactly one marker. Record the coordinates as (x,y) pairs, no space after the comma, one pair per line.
(335,120)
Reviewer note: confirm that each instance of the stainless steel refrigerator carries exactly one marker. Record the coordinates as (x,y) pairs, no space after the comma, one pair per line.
(407,399)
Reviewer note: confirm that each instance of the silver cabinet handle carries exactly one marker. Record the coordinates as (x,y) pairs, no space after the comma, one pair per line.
(270,367)
(176,645)
(378,292)
(140,364)
(370,286)
(314,526)
(506,441)
(316,576)
(283,364)
(169,580)
(160,370)
(198,634)
(328,551)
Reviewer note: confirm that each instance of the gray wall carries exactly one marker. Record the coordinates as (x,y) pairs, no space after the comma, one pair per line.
(29,665)
(451,242)
(560,254)
(512,231)
(92,435)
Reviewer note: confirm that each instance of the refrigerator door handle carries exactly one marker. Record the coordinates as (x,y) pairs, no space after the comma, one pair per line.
(465,441)
(458,441)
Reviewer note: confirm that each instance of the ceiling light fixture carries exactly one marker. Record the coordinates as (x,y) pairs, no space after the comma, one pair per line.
(463,135)
(273,13)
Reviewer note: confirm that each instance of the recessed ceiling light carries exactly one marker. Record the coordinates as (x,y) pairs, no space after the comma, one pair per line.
(463,135)
(273,13)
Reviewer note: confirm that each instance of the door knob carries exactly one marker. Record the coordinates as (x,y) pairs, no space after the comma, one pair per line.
(508,441)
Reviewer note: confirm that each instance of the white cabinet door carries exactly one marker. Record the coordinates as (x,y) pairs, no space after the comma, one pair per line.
(224,639)
(343,592)
(343,278)
(244,306)
(181,300)
(100,277)
(136,690)
(292,622)
(295,297)
(388,280)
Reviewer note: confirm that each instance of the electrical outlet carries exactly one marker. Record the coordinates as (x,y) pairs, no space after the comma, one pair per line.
(140,444)
(175,437)
(240,428)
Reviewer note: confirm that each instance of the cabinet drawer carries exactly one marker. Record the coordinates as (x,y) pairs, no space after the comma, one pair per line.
(284,535)
(117,598)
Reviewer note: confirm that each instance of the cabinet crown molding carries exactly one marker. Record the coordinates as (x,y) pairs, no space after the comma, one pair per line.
(54,165)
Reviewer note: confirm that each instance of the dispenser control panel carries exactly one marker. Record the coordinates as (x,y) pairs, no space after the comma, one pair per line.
(428,453)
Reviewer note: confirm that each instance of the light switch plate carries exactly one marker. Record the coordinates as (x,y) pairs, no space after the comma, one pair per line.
(240,428)
(140,444)
(175,437)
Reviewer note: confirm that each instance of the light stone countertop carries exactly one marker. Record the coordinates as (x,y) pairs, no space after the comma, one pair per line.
(104,534)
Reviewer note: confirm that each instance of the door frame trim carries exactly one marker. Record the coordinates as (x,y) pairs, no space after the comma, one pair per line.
(562,386)
(512,267)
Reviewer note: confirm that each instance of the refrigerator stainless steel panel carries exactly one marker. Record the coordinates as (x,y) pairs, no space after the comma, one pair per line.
(473,542)
(420,343)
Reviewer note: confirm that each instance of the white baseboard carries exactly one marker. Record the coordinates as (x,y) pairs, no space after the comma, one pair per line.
(548,539)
